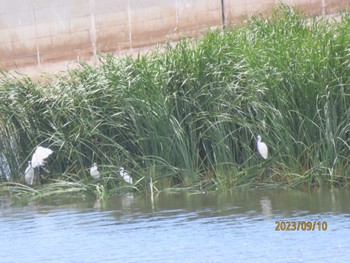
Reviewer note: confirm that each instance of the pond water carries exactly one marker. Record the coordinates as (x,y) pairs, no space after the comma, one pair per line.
(180,227)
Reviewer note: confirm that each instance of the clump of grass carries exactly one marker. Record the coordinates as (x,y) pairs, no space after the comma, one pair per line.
(188,114)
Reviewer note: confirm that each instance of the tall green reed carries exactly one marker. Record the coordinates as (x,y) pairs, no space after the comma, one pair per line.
(188,114)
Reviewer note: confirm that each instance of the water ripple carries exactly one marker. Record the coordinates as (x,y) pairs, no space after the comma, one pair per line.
(185,231)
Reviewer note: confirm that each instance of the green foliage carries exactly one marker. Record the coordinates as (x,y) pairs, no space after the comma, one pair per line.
(188,114)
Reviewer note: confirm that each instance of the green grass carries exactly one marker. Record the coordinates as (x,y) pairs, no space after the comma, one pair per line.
(187,115)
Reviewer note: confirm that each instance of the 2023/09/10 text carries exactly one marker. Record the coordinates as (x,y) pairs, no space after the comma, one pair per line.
(301,226)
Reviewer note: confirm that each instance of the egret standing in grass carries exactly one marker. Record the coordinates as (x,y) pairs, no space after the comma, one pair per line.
(29,174)
(262,148)
(126,176)
(94,172)
(38,160)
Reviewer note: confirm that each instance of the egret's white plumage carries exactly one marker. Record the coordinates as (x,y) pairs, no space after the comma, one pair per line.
(262,148)
(94,172)
(39,156)
(29,174)
(126,176)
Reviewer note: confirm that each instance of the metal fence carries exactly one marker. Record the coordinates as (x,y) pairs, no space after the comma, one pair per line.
(40,32)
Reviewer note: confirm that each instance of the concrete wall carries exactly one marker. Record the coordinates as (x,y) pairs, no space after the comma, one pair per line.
(41,32)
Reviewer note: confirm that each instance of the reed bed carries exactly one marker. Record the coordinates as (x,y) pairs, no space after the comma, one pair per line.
(187,114)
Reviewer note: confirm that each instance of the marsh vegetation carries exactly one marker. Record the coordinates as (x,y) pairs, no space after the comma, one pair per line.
(187,115)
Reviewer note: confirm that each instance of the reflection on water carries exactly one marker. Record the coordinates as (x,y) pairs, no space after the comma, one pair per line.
(266,208)
(179,227)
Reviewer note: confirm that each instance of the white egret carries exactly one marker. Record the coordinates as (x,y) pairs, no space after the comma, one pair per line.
(29,174)
(126,176)
(40,155)
(262,148)
(94,172)
(38,160)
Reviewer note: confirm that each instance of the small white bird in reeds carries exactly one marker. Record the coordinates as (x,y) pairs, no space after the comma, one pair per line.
(94,172)
(262,148)
(29,174)
(126,176)
(39,156)
(38,160)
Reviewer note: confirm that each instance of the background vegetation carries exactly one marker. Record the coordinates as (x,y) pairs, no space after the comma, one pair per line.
(187,115)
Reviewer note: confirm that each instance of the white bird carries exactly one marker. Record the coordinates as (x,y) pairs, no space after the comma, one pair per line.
(262,148)
(126,176)
(29,174)
(94,172)
(39,156)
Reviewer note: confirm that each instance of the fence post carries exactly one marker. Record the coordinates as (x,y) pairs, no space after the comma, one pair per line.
(36,34)
(223,14)
(93,30)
